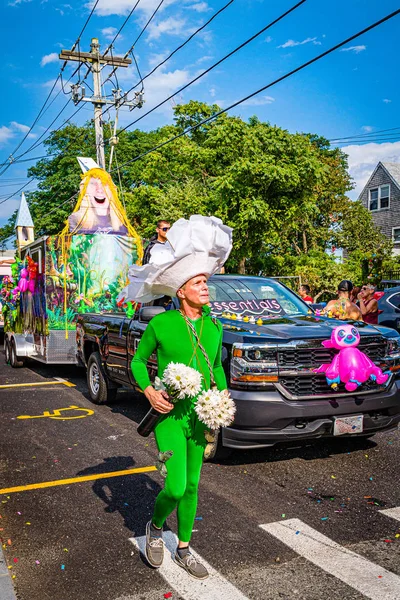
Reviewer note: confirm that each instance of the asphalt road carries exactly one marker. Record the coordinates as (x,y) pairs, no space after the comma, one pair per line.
(80,540)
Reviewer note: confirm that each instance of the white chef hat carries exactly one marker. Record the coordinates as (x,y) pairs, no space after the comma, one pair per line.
(200,245)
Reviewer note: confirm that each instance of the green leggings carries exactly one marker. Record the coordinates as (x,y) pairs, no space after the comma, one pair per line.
(181,432)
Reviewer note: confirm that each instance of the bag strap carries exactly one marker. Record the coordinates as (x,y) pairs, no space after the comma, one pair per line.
(201,348)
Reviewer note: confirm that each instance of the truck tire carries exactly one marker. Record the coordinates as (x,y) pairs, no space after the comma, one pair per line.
(7,351)
(15,361)
(97,380)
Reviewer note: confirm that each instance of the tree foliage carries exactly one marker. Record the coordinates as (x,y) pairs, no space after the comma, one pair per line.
(284,194)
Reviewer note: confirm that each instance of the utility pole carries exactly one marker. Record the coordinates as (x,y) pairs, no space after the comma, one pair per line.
(94,61)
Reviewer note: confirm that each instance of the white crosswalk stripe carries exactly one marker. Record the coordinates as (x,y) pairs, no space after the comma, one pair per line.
(356,571)
(393,513)
(215,587)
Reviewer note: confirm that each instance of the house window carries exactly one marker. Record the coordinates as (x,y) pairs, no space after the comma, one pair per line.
(379,197)
(396,235)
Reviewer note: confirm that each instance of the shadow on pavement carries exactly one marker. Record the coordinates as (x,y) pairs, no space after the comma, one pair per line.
(132,496)
(307,450)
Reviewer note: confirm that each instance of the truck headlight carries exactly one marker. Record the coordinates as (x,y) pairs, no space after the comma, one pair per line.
(253,366)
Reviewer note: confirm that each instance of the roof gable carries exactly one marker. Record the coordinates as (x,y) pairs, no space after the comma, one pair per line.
(391,169)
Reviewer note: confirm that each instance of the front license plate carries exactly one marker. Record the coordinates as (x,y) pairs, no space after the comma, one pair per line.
(346,425)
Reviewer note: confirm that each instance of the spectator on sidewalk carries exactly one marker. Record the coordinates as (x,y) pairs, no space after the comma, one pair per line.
(343,308)
(160,238)
(305,293)
(368,304)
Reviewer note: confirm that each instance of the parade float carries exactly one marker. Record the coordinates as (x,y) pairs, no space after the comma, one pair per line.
(55,278)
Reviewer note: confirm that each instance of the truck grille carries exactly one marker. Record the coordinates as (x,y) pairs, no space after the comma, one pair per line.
(316,385)
(303,358)
(313,355)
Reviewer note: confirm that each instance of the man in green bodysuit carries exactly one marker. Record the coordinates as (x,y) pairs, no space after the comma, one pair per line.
(179,430)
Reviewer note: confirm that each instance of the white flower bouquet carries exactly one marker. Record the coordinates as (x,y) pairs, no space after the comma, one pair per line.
(179,381)
(215,409)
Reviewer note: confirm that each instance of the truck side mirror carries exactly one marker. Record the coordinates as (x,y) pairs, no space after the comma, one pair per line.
(148,312)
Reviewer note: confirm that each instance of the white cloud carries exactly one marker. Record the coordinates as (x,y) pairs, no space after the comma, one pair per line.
(386,101)
(367,128)
(356,49)
(203,59)
(110,32)
(16,2)
(292,43)
(23,129)
(5,134)
(170,26)
(268,39)
(159,86)
(123,7)
(19,126)
(212,92)
(155,59)
(363,159)
(259,101)
(200,7)
(49,58)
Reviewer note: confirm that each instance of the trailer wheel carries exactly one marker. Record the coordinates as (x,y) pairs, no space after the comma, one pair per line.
(97,380)
(15,361)
(7,351)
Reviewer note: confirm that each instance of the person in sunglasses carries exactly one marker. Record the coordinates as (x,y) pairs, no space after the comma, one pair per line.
(160,238)
(368,304)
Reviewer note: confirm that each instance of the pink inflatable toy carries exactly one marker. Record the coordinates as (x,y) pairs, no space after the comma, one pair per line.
(350,365)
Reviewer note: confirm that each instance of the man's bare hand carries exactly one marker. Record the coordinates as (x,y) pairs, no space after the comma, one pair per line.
(158,400)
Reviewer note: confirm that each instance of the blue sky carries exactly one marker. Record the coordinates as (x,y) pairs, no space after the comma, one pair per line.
(350,92)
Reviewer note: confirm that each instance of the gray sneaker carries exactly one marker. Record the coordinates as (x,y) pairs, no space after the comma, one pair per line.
(154,550)
(191,565)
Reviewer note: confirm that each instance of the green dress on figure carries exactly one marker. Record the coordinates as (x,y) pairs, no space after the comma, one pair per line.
(180,430)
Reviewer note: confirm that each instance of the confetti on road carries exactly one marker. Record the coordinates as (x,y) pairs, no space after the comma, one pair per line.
(283,516)
(198,518)
(324,518)
(168,595)
(62,567)
(37,562)
(333,476)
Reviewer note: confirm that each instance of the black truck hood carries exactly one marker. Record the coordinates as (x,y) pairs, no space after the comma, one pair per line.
(282,329)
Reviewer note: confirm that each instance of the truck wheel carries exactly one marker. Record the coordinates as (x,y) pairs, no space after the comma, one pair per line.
(7,351)
(97,381)
(15,361)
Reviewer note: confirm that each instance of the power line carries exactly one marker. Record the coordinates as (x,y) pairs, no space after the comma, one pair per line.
(38,143)
(31,127)
(136,41)
(27,160)
(371,133)
(42,110)
(121,28)
(265,87)
(172,53)
(253,37)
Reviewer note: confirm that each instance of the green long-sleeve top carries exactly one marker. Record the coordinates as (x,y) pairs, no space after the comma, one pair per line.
(169,336)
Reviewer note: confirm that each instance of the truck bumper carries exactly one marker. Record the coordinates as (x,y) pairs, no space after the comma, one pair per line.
(282,420)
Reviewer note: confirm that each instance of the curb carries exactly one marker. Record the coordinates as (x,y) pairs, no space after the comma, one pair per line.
(6,586)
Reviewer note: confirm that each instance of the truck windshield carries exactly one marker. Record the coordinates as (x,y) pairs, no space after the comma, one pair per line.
(253,296)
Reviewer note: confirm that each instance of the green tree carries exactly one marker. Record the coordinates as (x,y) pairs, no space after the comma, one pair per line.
(285,195)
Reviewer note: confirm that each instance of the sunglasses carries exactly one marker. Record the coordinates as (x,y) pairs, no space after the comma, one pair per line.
(165,228)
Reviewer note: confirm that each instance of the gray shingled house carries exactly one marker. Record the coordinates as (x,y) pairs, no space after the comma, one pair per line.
(381,195)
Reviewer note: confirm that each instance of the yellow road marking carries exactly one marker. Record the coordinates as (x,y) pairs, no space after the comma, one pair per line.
(15,385)
(57,414)
(47,484)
